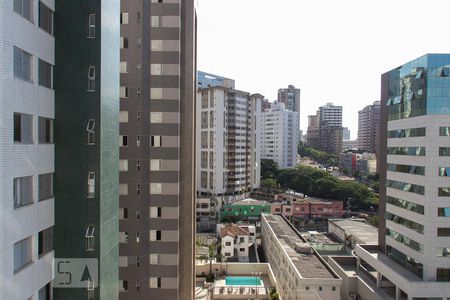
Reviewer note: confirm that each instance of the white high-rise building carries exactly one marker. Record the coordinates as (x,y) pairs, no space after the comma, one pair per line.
(228,141)
(26,149)
(280,135)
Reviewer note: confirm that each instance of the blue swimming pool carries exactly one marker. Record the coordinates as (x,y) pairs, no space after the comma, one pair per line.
(243,281)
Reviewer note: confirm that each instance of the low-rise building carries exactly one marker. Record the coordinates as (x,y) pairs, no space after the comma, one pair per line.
(297,266)
(207,210)
(297,206)
(353,161)
(245,210)
(235,241)
(353,231)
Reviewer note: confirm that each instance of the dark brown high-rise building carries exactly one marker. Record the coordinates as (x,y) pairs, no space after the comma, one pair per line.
(157,161)
(368,127)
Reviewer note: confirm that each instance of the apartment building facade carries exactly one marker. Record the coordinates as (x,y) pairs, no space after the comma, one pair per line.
(368,127)
(228,141)
(290,96)
(86,150)
(330,128)
(157,160)
(27,151)
(280,135)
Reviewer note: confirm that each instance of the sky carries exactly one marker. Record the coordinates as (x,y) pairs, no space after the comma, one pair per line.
(333,50)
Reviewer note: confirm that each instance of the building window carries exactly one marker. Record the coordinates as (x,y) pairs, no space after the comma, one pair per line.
(123,117)
(23,128)
(443,274)
(24,8)
(155,22)
(23,191)
(138,165)
(90,239)
(407,187)
(156,93)
(156,117)
(23,253)
(155,282)
(123,165)
(123,92)
(154,260)
(227,243)
(45,74)
(414,151)
(138,213)
(45,130)
(156,141)
(123,189)
(155,188)
(444,131)
(123,237)
(22,64)
(242,249)
(443,231)
(156,69)
(444,151)
(91,185)
(155,165)
(124,18)
(444,252)
(123,213)
(123,285)
(417,170)
(45,241)
(45,18)
(155,235)
(444,212)
(91,79)
(91,25)
(406,133)
(155,212)
(123,67)
(45,184)
(123,261)
(444,192)
(45,293)
(138,237)
(405,222)
(123,42)
(123,141)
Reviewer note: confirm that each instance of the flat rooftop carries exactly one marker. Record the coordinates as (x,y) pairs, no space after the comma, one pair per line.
(308,265)
(358,228)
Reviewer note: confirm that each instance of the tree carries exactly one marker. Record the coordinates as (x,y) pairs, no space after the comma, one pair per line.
(269,169)
(269,183)
(212,253)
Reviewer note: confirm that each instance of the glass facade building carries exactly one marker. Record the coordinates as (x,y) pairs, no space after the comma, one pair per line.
(415,115)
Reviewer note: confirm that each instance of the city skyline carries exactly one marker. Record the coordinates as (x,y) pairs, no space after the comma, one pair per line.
(261,63)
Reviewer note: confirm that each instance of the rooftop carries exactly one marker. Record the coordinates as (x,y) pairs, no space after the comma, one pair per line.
(249,201)
(233,230)
(358,228)
(309,265)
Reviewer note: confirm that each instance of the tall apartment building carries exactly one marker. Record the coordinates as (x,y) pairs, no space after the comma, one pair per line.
(312,134)
(291,97)
(368,127)
(346,134)
(228,141)
(26,149)
(157,160)
(279,131)
(411,261)
(330,128)
(86,150)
